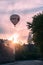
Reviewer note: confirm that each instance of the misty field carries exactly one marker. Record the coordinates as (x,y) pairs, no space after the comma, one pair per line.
(30,62)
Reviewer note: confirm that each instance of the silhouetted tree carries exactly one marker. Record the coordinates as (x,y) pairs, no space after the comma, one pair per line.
(37,29)
(6,53)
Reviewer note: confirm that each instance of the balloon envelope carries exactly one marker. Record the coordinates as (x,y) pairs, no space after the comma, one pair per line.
(14,18)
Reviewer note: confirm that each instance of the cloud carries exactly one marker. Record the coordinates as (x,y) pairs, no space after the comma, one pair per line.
(25,11)
(18,6)
(29,11)
(1,30)
(27,4)
(25,8)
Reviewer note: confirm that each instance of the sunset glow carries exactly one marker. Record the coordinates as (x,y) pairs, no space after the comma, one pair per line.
(26,9)
(14,38)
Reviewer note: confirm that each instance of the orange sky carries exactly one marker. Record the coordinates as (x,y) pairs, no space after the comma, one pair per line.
(26,9)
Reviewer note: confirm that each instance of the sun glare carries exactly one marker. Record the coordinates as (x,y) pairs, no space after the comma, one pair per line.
(14,38)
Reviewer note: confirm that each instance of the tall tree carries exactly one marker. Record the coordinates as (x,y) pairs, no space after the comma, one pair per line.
(37,29)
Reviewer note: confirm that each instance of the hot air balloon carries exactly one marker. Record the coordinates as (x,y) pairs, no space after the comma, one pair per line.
(14,19)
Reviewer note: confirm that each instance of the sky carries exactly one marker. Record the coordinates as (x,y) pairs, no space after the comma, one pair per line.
(26,9)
